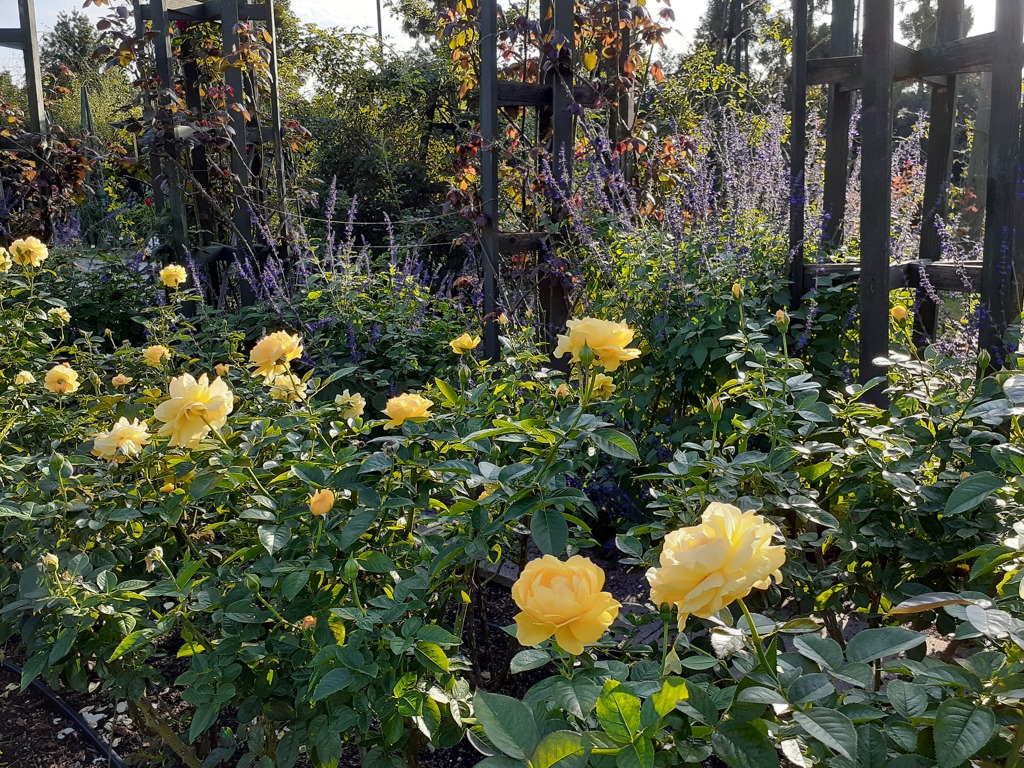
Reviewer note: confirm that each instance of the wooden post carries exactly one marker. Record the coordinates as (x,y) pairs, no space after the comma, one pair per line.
(876,191)
(277,122)
(171,168)
(1001,277)
(33,72)
(798,153)
(489,171)
(938,170)
(977,165)
(242,217)
(837,128)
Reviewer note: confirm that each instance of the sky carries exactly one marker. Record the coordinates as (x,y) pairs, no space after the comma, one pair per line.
(363,14)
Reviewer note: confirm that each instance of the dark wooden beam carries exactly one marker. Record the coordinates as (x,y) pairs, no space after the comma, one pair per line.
(798,153)
(947,276)
(195,12)
(491,208)
(876,190)
(12,37)
(515,94)
(837,130)
(1001,278)
(33,69)
(942,123)
(520,242)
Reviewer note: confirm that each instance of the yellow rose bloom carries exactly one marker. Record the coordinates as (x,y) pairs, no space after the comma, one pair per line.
(167,488)
(173,275)
(352,405)
(704,568)
(464,343)
(222,369)
(23,379)
(604,386)
(121,380)
(58,316)
(287,387)
(273,353)
(5,260)
(194,407)
(321,502)
(737,291)
(564,600)
(29,252)
(124,440)
(155,354)
(608,340)
(404,407)
(899,313)
(563,391)
(62,379)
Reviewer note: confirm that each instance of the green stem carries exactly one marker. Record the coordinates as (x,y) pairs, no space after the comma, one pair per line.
(1017,750)
(756,638)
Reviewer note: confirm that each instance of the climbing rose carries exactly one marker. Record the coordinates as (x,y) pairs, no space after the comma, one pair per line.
(155,353)
(608,340)
(273,353)
(464,343)
(404,407)
(23,379)
(352,405)
(194,407)
(173,275)
(62,379)
(122,441)
(29,252)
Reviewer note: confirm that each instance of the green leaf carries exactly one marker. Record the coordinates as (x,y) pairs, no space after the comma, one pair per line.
(205,716)
(561,749)
(618,711)
(1013,388)
(871,644)
(202,484)
(928,602)
(639,754)
(62,647)
(431,656)
(672,690)
(743,745)
(971,492)
(808,688)
(357,525)
(450,395)
(273,537)
(531,658)
(133,642)
(823,650)
(500,761)
(507,723)
(961,729)
(831,728)
(615,444)
(872,751)
(906,698)
(550,531)
(334,681)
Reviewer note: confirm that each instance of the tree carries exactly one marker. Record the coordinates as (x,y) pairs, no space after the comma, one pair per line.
(71,43)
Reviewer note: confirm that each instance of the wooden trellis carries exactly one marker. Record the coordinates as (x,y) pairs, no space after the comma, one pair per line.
(1000,275)
(24,37)
(248,139)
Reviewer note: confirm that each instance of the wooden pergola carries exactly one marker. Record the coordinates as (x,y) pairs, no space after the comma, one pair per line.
(24,37)
(1000,276)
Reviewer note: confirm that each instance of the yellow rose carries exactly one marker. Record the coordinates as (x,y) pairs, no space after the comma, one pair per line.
(564,600)
(604,386)
(29,251)
(122,441)
(563,391)
(121,380)
(705,567)
(308,623)
(5,260)
(782,319)
(737,291)
(193,409)
(898,313)
(272,354)
(61,379)
(155,353)
(406,407)
(167,488)
(352,405)
(321,502)
(608,340)
(23,379)
(287,387)
(464,343)
(173,275)
(222,369)
(58,316)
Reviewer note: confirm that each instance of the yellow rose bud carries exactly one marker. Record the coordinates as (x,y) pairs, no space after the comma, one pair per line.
(562,600)
(121,380)
(51,562)
(155,354)
(62,380)
(737,291)
(563,391)
(898,313)
(273,353)
(173,275)
(167,488)
(352,405)
(321,502)
(193,408)
(714,408)
(222,369)
(29,252)
(782,319)
(23,379)
(464,343)
(608,341)
(984,359)
(308,623)
(502,319)
(704,568)
(400,409)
